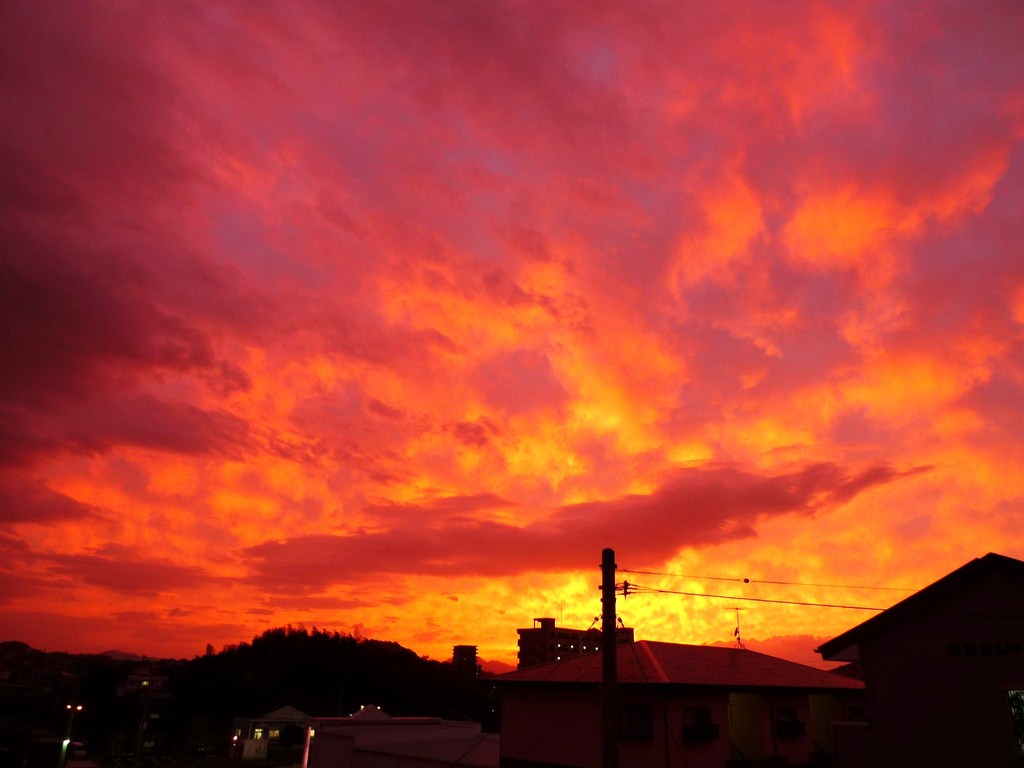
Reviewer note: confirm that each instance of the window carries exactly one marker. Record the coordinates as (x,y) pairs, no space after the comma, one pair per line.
(274,734)
(787,725)
(257,733)
(636,722)
(697,725)
(1016,701)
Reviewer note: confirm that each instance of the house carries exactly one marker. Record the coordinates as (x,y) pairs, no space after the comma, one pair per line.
(373,739)
(944,671)
(679,705)
(282,729)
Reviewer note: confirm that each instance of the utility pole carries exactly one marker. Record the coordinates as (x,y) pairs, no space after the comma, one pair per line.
(609,648)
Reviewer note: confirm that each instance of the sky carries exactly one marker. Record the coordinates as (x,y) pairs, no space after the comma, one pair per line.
(388,317)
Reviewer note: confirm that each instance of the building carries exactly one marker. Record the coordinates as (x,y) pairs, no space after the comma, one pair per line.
(281,730)
(546,642)
(680,706)
(142,706)
(373,739)
(465,662)
(944,671)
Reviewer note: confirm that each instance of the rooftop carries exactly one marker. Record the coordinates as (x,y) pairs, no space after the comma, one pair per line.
(844,647)
(647,662)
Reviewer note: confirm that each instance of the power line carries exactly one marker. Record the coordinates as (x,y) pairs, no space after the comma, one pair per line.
(765,581)
(627,588)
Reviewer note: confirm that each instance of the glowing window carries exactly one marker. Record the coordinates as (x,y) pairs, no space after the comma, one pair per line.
(257,733)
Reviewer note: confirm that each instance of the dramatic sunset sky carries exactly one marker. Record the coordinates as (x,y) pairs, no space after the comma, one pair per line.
(386,317)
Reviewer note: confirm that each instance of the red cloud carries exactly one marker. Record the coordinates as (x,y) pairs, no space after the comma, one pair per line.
(122,569)
(23,501)
(697,507)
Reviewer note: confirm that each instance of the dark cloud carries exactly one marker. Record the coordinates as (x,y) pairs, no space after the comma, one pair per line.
(176,427)
(28,501)
(128,571)
(97,424)
(696,507)
(306,602)
(443,508)
(383,409)
(471,434)
(379,342)
(477,502)
(103,295)
(520,381)
(18,579)
(15,585)
(999,401)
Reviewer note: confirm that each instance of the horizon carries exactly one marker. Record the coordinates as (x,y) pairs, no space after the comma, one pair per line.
(390,320)
(790,648)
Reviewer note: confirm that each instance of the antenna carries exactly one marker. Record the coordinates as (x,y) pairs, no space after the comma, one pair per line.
(736,632)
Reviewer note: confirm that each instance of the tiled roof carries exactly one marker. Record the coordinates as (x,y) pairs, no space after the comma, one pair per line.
(671,663)
(285,714)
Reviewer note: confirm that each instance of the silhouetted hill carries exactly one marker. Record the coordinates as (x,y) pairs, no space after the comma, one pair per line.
(496,667)
(323,674)
(189,703)
(123,655)
(13,648)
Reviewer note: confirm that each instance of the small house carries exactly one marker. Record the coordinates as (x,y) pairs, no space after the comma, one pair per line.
(684,706)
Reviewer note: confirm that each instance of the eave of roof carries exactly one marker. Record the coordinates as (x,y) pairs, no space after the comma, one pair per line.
(844,646)
(656,663)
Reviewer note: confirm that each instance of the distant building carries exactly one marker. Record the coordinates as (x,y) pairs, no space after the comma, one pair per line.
(281,730)
(944,671)
(465,662)
(544,643)
(143,706)
(680,706)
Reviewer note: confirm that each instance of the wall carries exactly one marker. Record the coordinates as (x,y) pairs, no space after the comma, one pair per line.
(561,726)
(936,685)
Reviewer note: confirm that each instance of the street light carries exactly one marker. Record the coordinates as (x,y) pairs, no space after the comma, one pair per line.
(72,709)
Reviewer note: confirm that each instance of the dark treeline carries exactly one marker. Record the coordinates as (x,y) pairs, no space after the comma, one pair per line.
(190,705)
(323,674)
